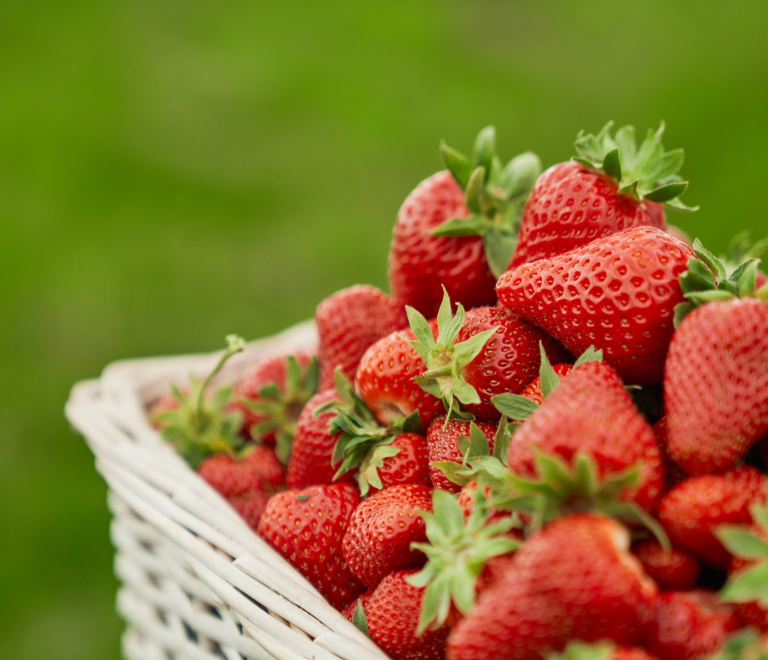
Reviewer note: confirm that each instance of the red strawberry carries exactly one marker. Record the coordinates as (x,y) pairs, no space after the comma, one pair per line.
(409,466)
(590,413)
(257,468)
(311,459)
(716,385)
(610,188)
(348,322)
(480,354)
(442,236)
(618,293)
(443,442)
(573,580)
(349,611)
(385,380)
(382,529)
(674,474)
(693,510)
(533,391)
(390,614)
(671,569)
(271,394)
(307,527)
(689,625)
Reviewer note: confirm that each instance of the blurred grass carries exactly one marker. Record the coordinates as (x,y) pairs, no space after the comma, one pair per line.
(174,171)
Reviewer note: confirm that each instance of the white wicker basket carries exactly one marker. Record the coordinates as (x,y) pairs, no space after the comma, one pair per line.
(197,582)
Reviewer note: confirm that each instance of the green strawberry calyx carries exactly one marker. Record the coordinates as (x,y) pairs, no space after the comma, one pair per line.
(445,359)
(559,489)
(201,425)
(495,195)
(280,408)
(457,552)
(518,407)
(744,644)
(645,173)
(708,280)
(751,582)
(582,651)
(363,443)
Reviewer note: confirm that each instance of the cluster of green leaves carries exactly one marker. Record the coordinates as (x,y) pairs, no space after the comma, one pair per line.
(444,358)
(645,173)
(708,280)
(494,193)
(363,442)
(202,426)
(280,408)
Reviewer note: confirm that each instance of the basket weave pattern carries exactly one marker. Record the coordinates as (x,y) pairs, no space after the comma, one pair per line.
(196,582)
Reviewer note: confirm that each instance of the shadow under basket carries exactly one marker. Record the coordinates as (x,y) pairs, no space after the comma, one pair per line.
(196,582)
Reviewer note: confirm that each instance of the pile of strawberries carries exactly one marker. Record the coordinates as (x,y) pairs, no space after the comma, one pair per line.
(549,441)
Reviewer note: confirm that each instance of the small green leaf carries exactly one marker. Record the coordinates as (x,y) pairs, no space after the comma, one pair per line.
(714,264)
(762,293)
(499,248)
(458,164)
(474,225)
(474,191)
(452,472)
(302,498)
(514,406)
(667,192)
(360,620)
(420,328)
(520,174)
(484,150)
(741,542)
(611,164)
(412,424)
(549,379)
(681,311)
(630,190)
(704,297)
(592,354)
(747,585)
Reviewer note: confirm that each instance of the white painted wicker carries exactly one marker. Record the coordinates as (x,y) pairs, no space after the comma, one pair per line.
(196,582)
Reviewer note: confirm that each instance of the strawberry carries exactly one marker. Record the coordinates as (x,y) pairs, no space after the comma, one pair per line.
(672,569)
(573,580)
(351,610)
(610,187)
(716,381)
(618,293)
(444,438)
(379,456)
(689,625)
(692,511)
(591,414)
(307,527)
(348,322)
(390,620)
(233,476)
(271,394)
(312,455)
(385,382)
(198,425)
(458,550)
(374,545)
(457,229)
(600,651)
(534,392)
(478,354)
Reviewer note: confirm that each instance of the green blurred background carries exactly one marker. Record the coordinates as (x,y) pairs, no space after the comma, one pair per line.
(174,171)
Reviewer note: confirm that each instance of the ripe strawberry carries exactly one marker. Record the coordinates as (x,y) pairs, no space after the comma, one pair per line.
(307,527)
(196,424)
(611,187)
(350,610)
(271,394)
(672,570)
(672,470)
(385,382)
(716,381)
(379,456)
(374,544)
(446,238)
(478,355)
(618,293)
(534,392)
(689,625)
(390,617)
(692,511)
(573,580)
(443,441)
(311,459)
(590,413)
(468,497)
(600,651)
(348,322)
